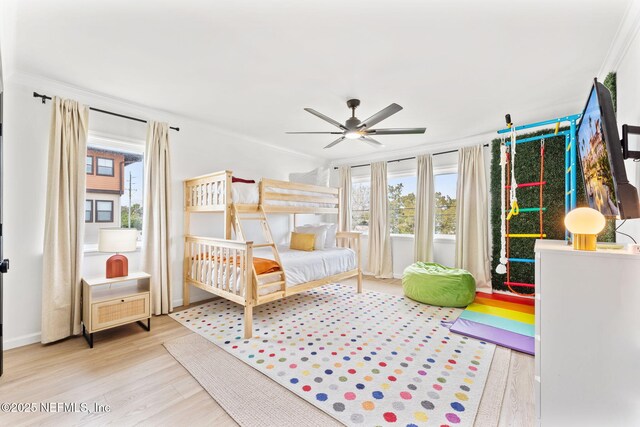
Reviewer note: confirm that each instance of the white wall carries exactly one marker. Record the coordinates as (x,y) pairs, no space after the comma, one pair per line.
(197,149)
(628,92)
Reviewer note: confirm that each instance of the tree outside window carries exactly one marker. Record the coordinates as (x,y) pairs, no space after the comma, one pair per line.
(360,196)
(445,203)
(402,204)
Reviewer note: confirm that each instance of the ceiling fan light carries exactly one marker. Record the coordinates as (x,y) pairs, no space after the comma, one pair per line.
(352,135)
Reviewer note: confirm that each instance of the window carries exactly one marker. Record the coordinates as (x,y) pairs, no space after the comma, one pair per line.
(402,204)
(89,166)
(360,193)
(105,167)
(445,201)
(115,188)
(88,211)
(104,211)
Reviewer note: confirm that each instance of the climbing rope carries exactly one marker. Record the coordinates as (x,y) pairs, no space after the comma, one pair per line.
(513,199)
(501,268)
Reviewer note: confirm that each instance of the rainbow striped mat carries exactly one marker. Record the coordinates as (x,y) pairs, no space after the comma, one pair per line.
(501,319)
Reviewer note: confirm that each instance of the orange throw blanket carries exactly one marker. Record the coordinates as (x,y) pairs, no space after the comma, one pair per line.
(262,265)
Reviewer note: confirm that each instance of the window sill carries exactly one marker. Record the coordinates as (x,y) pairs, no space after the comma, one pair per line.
(92,250)
(447,238)
(402,236)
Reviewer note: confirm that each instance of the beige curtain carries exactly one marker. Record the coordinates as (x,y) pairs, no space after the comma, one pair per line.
(424,216)
(156,217)
(472,217)
(64,223)
(344,222)
(380,262)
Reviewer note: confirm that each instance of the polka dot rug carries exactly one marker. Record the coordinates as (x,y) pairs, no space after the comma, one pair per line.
(367,359)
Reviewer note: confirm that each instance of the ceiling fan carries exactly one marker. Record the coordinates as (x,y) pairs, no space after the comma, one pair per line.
(355,129)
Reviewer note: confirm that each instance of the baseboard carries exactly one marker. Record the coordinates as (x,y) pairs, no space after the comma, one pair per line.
(179,301)
(395,275)
(21,341)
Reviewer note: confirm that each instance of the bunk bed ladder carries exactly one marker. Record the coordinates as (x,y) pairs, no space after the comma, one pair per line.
(258,214)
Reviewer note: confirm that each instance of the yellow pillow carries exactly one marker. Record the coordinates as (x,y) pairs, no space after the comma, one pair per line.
(302,241)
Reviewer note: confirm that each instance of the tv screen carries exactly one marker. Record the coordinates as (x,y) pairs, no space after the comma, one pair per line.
(594,159)
(600,154)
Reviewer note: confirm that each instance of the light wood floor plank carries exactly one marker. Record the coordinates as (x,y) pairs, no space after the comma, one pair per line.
(130,370)
(518,405)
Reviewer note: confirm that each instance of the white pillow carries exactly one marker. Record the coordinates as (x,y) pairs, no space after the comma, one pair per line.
(332,229)
(319,176)
(319,230)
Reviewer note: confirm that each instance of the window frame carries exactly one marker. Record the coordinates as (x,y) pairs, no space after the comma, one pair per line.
(362,179)
(443,171)
(92,210)
(98,211)
(93,164)
(110,142)
(404,174)
(113,166)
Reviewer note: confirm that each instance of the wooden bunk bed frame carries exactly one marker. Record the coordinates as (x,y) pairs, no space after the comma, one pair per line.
(225,267)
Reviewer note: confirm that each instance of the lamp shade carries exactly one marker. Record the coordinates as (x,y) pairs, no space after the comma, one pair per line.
(117,239)
(584,221)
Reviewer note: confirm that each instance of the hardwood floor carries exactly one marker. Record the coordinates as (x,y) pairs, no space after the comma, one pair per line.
(130,371)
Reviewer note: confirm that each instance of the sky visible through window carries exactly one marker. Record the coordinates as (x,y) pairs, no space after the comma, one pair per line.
(136,170)
(446,184)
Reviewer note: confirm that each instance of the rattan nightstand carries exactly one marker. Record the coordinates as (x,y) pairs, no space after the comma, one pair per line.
(107,303)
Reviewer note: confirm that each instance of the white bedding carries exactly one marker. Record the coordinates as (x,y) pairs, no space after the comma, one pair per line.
(299,266)
(302,266)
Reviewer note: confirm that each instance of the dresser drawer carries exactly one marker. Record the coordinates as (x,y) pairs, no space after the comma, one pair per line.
(117,311)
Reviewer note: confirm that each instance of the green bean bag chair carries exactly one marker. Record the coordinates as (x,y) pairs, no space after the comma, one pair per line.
(435,284)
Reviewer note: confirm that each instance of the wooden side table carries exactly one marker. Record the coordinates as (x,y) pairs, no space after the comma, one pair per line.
(107,303)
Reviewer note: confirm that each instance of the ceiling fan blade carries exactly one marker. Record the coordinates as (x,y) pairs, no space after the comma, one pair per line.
(372,142)
(325,118)
(396,131)
(380,116)
(335,142)
(323,133)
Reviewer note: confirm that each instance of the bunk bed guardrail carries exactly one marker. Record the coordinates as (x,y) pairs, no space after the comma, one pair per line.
(222,267)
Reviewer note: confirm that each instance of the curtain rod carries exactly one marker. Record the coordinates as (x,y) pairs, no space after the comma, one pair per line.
(406,158)
(135,119)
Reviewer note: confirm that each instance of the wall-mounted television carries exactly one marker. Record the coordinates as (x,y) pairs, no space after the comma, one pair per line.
(601,159)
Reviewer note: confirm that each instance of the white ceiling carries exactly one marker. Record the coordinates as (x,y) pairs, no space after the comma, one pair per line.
(250,66)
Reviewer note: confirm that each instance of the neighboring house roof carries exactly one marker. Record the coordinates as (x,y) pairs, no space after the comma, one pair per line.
(128,157)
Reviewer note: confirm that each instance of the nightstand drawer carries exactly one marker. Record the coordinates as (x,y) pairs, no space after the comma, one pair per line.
(123,310)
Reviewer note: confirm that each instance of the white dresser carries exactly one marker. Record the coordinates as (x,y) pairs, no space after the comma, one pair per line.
(587,362)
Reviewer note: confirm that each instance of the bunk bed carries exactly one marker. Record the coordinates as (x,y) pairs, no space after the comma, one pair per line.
(251,273)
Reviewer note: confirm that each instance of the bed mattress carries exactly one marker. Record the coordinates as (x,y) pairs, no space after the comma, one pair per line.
(302,266)
(299,266)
